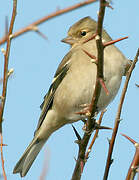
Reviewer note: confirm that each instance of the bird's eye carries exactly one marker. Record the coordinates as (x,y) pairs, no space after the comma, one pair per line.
(83,33)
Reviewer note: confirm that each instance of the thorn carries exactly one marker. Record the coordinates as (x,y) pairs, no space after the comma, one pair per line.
(109,140)
(35,28)
(97,126)
(42,35)
(130,139)
(119,120)
(93,58)
(76,133)
(75,159)
(104,86)
(114,41)
(93,37)
(111,161)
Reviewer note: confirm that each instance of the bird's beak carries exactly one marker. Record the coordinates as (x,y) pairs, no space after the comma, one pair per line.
(69,40)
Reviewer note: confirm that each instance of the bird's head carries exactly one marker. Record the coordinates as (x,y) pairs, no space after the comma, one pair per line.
(82,30)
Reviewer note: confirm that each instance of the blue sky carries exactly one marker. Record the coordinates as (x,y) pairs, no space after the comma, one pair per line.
(35,60)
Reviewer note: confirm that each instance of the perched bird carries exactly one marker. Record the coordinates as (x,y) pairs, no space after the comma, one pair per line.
(73,86)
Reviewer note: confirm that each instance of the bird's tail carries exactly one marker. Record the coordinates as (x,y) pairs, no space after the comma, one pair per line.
(25,162)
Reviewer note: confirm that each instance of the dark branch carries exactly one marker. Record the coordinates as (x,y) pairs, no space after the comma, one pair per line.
(81,160)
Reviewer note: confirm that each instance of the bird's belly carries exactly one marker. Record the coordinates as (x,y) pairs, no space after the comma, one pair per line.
(75,94)
(78,90)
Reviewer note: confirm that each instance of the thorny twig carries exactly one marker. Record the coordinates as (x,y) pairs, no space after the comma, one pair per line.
(91,121)
(95,135)
(33,26)
(135,162)
(5,78)
(117,120)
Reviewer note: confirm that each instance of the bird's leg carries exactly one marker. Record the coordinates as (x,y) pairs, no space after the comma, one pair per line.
(86,111)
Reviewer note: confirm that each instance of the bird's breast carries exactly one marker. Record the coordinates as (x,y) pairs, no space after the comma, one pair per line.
(78,85)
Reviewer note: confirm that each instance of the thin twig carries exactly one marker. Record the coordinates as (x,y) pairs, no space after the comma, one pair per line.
(91,121)
(6,61)
(5,78)
(135,162)
(31,26)
(117,120)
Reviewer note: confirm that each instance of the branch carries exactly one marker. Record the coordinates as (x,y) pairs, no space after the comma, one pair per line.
(135,162)
(117,120)
(95,135)
(6,61)
(5,77)
(91,121)
(32,26)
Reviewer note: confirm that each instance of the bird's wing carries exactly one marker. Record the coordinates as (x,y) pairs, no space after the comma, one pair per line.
(48,98)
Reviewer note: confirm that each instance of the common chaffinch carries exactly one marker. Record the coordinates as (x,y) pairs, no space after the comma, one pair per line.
(73,86)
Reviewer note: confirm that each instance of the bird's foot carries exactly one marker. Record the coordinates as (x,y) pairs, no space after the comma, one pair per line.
(86,110)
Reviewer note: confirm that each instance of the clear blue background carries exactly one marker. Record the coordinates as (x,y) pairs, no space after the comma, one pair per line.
(35,60)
